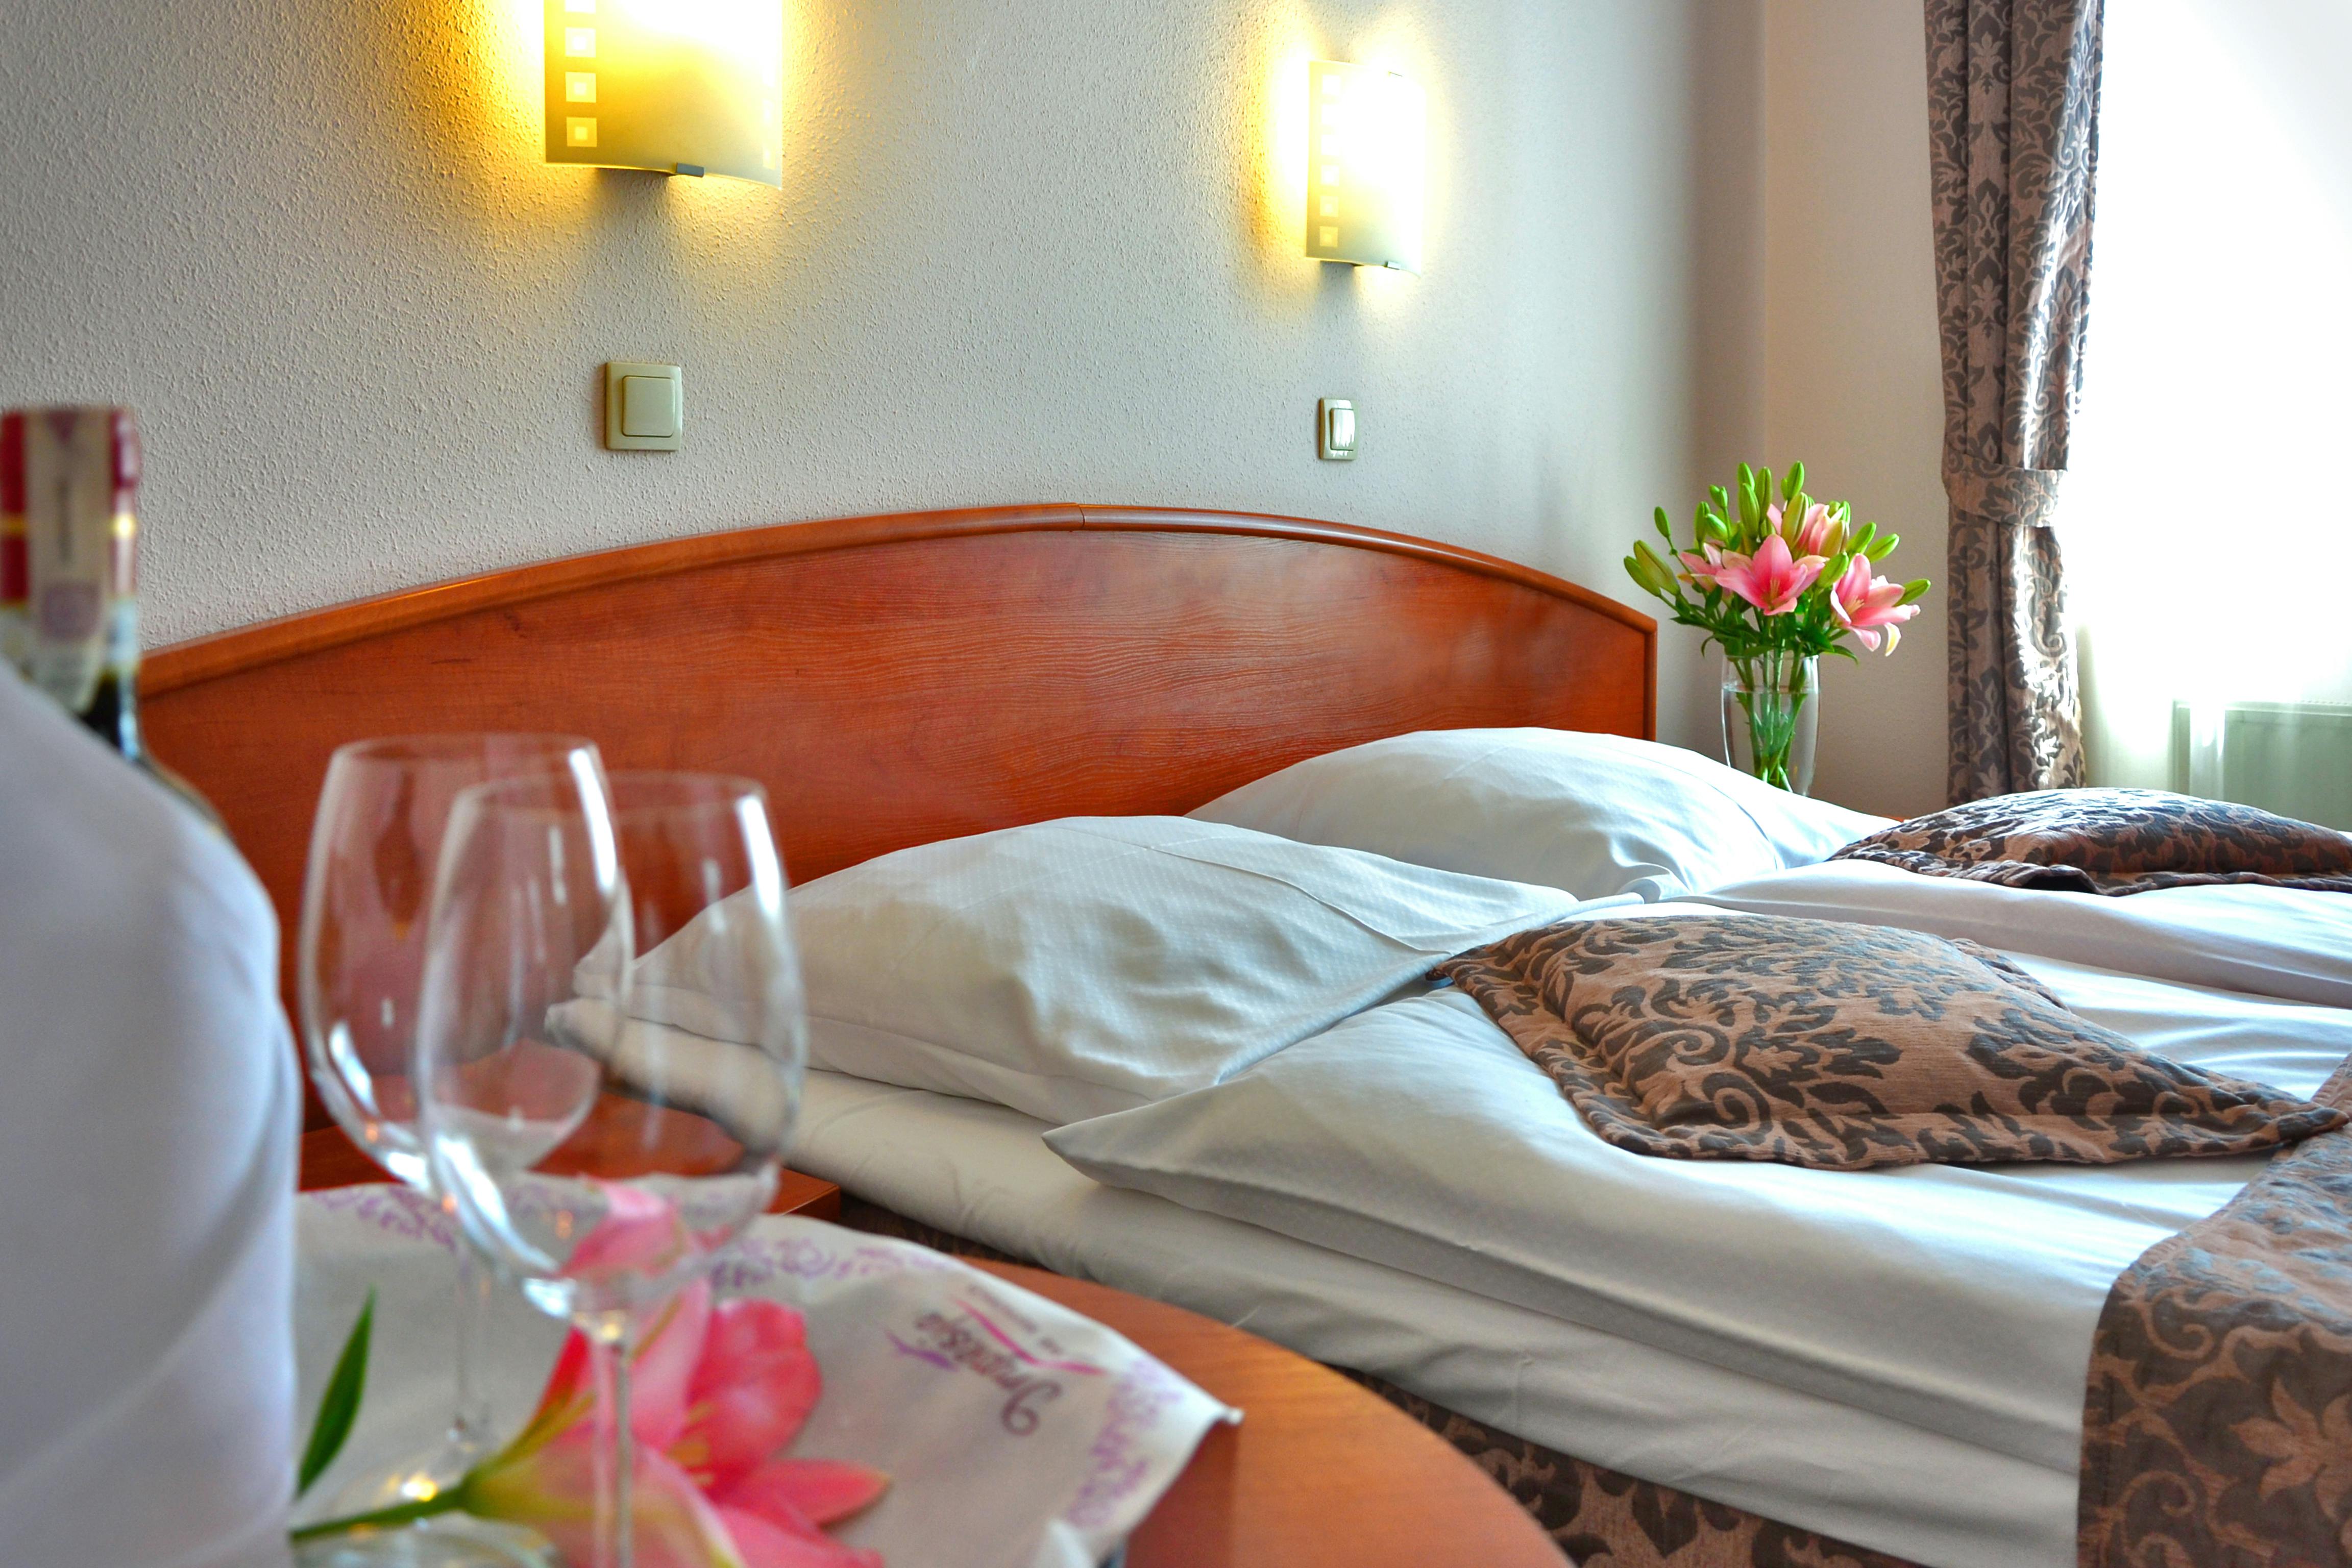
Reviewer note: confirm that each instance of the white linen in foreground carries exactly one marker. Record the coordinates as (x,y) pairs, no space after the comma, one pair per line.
(1957,1299)
(147,1133)
(982,1170)
(2270,941)
(1080,966)
(1594,814)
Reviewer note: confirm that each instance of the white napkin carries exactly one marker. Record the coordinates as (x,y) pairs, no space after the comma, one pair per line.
(1017,1433)
(148,1112)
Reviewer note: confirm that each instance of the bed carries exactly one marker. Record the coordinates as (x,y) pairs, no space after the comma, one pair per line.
(905,680)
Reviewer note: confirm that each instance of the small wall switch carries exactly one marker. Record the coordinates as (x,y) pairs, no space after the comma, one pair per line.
(1334,430)
(644,406)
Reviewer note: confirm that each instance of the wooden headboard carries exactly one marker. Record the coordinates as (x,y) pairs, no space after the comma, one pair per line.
(899,679)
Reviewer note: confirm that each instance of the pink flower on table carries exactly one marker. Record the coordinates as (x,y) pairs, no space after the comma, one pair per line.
(716,1393)
(1863,604)
(1816,533)
(1772,580)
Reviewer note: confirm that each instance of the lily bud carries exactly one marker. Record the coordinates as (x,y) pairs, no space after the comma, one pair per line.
(1648,570)
(1914,591)
(1791,484)
(1884,546)
(1666,530)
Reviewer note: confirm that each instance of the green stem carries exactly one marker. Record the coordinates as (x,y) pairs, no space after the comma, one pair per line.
(450,1502)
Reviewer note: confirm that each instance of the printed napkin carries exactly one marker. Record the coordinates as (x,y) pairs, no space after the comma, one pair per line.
(1017,1433)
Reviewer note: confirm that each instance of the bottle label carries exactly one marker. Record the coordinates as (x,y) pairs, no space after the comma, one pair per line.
(15,567)
(80,469)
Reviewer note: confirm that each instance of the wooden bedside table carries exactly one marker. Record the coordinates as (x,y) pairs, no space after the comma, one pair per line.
(332,1159)
(1320,1473)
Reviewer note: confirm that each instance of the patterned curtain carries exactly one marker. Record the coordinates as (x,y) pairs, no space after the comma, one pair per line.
(2012,104)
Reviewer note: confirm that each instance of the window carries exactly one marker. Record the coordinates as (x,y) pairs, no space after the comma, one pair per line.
(2209,516)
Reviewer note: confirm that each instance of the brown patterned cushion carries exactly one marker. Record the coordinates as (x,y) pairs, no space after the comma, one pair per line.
(1843,1047)
(2112,841)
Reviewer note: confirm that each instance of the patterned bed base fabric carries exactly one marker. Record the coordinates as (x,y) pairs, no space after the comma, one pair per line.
(2112,841)
(2217,1426)
(1599,1518)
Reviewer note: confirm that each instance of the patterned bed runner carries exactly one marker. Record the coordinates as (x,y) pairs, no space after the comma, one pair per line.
(2217,1426)
(1600,1518)
(2112,841)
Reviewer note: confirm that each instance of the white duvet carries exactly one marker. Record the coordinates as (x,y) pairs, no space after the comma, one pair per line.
(1960,1300)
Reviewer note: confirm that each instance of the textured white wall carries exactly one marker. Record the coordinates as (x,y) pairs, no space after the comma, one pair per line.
(1853,379)
(1024,251)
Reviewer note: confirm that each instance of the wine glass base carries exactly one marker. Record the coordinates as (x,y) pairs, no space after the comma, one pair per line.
(447,1541)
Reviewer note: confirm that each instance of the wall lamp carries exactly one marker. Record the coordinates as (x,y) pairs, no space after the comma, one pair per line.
(683,87)
(1366,153)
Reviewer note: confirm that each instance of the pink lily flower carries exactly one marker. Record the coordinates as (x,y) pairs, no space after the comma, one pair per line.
(1705,562)
(1863,604)
(1814,535)
(716,1393)
(1772,580)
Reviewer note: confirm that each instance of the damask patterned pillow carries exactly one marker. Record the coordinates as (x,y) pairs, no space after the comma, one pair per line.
(1843,1047)
(2112,841)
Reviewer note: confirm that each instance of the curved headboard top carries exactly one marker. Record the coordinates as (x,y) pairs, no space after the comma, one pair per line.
(898,680)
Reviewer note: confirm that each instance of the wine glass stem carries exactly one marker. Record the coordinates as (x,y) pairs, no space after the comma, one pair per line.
(469,1420)
(610,1349)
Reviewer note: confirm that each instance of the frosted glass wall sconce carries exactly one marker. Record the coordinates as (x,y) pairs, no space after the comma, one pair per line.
(1365,155)
(684,86)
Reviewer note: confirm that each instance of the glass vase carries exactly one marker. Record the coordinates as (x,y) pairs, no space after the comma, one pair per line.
(1772,706)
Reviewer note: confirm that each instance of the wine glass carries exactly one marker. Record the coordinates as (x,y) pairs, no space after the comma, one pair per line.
(604,1126)
(374,847)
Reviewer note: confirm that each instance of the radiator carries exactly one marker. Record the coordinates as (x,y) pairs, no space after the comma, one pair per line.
(2293,758)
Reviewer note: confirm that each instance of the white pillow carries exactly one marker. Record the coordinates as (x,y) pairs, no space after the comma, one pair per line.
(1073,968)
(1592,814)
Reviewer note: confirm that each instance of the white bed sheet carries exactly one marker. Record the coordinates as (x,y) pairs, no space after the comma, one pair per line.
(982,1170)
(2268,942)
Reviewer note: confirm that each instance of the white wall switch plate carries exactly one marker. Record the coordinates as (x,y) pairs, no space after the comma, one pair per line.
(644,406)
(1334,430)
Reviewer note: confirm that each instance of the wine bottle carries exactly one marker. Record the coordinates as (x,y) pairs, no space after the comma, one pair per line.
(70,488)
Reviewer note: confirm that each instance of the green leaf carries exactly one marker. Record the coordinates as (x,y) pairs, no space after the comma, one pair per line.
(338,1406)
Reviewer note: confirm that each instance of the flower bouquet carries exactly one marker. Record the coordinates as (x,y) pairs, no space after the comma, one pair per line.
(1775,584)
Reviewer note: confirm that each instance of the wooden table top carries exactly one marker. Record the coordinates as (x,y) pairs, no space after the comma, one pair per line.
(1321,1473)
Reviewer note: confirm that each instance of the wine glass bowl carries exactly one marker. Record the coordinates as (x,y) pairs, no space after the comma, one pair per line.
(574,1100)
(374,845)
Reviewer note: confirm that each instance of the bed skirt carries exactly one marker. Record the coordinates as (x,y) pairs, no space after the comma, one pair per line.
(1596,1516)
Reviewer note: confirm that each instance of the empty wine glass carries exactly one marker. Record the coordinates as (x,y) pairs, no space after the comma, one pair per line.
(604,1127)
(374,848)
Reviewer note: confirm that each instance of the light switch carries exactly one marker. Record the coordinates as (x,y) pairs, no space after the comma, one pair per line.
(648,405)
(1334,430)
(644,407)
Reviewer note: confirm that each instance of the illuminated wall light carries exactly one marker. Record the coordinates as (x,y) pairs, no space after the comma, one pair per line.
(1367,162)
(684,86)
